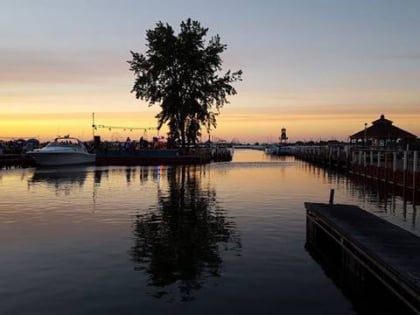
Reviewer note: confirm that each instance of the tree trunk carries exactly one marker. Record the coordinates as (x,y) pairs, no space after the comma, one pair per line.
(182,127)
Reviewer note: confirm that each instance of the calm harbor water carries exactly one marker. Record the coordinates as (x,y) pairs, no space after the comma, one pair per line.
(224,238)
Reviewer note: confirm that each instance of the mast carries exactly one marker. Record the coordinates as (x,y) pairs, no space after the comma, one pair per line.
(93,126)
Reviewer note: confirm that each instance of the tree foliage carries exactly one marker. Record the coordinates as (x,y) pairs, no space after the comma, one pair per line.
(182,73)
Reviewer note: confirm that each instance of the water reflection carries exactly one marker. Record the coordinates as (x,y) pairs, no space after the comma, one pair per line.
(60,179)
(72,252)
(385,199)
(179,242)
(98,174)
(386,196)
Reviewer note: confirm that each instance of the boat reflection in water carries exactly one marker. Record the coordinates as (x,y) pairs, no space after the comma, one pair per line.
(60,179)
(178,243)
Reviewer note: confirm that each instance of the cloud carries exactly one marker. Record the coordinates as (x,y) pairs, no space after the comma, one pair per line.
(408,56)
(48,67)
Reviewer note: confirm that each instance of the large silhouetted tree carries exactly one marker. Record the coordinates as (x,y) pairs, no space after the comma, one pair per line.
(182,72)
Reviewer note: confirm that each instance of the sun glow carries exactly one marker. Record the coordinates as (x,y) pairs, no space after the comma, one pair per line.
(243,124)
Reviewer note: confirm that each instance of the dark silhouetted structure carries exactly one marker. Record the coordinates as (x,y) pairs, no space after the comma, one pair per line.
(382,133)
(283,138)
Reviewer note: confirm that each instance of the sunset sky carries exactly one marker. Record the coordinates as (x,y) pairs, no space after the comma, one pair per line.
(319,68)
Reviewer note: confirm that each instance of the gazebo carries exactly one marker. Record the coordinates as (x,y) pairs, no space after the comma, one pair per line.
(382,133)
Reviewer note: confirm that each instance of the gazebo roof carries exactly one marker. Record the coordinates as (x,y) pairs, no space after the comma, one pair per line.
(383,128)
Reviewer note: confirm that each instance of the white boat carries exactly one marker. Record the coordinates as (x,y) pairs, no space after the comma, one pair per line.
(62,151)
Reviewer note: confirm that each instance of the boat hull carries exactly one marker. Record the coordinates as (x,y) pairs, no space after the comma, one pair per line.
(59,158)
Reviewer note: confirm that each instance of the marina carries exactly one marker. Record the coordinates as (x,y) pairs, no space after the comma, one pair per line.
(56,155)
(199,157)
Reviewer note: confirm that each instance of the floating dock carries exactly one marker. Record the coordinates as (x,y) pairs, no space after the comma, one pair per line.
(147,157)
(15,160)
(367,249)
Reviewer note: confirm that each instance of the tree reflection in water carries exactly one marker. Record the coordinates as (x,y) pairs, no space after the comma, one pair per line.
(178,244)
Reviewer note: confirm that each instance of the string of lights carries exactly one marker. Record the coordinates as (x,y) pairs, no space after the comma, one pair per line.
(94,126)
(125,128)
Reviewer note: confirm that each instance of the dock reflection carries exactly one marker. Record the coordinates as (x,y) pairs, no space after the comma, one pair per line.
(179,242)
(390,199)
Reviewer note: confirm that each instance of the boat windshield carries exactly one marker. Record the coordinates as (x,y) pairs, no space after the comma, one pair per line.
(66,143)
(62,143)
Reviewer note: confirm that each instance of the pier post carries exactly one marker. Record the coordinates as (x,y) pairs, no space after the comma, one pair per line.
(405,170)
(364,164)
(414,176)
(331,201)
(347,150)
(330,156)
(394,161)
(394,167)
(338,158)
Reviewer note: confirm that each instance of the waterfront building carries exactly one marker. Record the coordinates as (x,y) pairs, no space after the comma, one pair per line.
(382,133)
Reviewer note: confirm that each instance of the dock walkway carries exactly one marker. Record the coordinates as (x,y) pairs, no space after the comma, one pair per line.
(387,251)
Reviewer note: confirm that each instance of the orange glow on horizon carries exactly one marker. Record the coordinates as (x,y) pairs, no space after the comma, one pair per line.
(48,126)
(246,126)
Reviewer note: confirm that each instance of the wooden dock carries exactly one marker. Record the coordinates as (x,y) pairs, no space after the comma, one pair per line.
(368,247)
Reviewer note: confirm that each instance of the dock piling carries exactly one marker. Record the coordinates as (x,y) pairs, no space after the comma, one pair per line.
(414,176)
(331,201)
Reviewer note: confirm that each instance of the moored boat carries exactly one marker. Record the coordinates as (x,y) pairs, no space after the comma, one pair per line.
(62,151)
